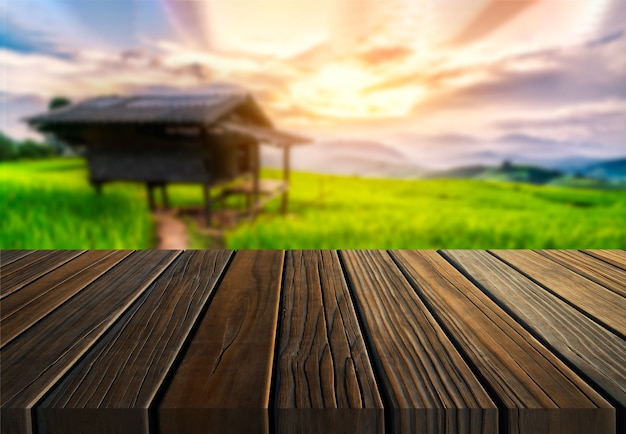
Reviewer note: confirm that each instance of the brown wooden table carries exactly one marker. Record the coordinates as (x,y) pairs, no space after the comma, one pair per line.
(313,341)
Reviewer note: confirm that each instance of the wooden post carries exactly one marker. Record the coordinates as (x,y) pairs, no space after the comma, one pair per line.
(166,201)
(286,170)
(256,173)
(247,194)
(207,203)
(98,188)
(150,189)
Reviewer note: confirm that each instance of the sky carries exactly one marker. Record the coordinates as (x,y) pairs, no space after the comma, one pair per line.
(442,82)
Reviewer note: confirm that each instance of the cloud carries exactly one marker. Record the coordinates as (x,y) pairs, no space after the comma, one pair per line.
(16,108)
(490,18)
(537,147)
(19,39)
(373,82)
(598,126)
(602,115)
(607,39)
(547,78)
(376,56)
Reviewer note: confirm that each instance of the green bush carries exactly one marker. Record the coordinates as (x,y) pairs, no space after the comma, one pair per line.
(27,149)
(8,149)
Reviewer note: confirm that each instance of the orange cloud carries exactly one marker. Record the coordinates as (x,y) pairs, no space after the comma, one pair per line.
(493,16)
(384,54)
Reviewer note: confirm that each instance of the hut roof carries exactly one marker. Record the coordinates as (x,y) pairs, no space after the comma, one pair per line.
(204,108)
(270,136)
(219,107)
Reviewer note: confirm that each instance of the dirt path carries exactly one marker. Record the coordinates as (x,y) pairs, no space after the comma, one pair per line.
(171,231)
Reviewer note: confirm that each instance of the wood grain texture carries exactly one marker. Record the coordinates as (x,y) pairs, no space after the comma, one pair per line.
(601,303)
(157,341)
(126,368)
(20,273)
(595,351)
(430,387)
(614,257)
(223,379)
(540,393)
(32,364)
(23,308)
(604,274)
(322,360)
(9,256)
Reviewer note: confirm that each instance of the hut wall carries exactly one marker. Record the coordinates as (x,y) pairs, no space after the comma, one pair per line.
(162,154)
(133,153)
(229,156)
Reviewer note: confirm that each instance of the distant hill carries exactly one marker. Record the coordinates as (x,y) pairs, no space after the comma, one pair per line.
(504,172)
(608,174)
(520,173)
(373,159)
(463,172)
(614,170)
(348,157)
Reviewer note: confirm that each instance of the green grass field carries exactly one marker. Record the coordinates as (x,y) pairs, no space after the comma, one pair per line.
(48,204)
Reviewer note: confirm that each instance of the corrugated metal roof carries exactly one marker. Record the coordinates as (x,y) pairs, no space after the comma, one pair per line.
(178,108)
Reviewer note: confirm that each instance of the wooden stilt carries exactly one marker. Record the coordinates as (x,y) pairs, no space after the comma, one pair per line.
(207,204)
(256,173)
(98,187)
(166,201)
(247,196)
(150,190)
(286,170)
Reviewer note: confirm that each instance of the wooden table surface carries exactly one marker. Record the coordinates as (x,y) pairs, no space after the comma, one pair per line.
(504,341)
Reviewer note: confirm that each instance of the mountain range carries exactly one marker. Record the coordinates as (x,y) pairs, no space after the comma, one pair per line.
(374,159)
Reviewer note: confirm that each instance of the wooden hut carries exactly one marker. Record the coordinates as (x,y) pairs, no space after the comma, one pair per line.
(211,139)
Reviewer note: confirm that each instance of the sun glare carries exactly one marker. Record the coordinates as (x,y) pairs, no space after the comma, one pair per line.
(343,91)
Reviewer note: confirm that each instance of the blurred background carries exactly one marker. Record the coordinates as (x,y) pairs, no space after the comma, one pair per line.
(434,124)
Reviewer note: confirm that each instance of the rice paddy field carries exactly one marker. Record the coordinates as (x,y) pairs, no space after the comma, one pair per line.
(49,204)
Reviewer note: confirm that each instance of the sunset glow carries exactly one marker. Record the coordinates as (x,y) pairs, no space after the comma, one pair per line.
(337,65)
(342,91)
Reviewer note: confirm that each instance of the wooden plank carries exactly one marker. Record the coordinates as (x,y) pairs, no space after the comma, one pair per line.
(32,364)
(430,388)
(223,382)
(22,309)
(614,257)
(122,374)
(9,256)
(601,303)
(20,273)
(538,392)
(593,350)
(322,361)
(594,269)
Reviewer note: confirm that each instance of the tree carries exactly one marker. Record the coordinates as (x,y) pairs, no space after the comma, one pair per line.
(8,149)
(58,102)
(31,149)
(57,145)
